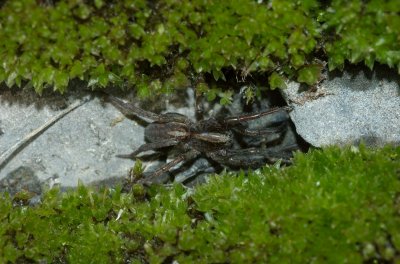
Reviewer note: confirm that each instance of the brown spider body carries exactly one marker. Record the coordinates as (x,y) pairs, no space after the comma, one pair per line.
(162,131)
(211,138)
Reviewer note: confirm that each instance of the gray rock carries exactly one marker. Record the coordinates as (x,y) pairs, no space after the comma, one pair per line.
(358,106)
(81,146)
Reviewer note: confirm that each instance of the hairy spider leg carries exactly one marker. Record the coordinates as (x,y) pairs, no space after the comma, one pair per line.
(141,113)
(133,109)
(260,132)
(250,157)
(150,146)
(191,154)
(242,118)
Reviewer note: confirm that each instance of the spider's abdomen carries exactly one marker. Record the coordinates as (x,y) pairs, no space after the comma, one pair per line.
(161,131)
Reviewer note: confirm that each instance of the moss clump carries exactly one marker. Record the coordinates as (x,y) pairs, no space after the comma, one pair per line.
(331,206)
(363,31)
(158,46)
(154,46)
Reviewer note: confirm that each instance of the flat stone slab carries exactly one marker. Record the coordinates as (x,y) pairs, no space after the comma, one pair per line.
(358,106)
(81,146)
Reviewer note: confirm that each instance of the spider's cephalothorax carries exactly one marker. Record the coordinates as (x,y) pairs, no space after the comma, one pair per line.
(212,138)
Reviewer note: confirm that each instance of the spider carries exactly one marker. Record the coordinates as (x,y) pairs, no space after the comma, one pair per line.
(212,138)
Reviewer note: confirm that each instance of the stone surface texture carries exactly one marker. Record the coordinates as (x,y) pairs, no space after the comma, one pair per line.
(346,109)
(82,146)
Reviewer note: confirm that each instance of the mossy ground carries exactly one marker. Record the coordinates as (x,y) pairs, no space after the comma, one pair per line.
(160,46)
(332,206)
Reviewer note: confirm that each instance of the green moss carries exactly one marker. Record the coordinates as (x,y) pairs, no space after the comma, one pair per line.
(160,46)
(364,31)
(331,206)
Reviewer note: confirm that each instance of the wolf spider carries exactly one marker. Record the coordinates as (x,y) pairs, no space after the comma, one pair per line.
(212,138)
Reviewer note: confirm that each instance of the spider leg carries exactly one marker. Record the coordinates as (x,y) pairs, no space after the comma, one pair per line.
(147,115)
(163,169)
(260,132)
(249,158)
(174,117)
(150,146)
(130,108)
(241,118)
